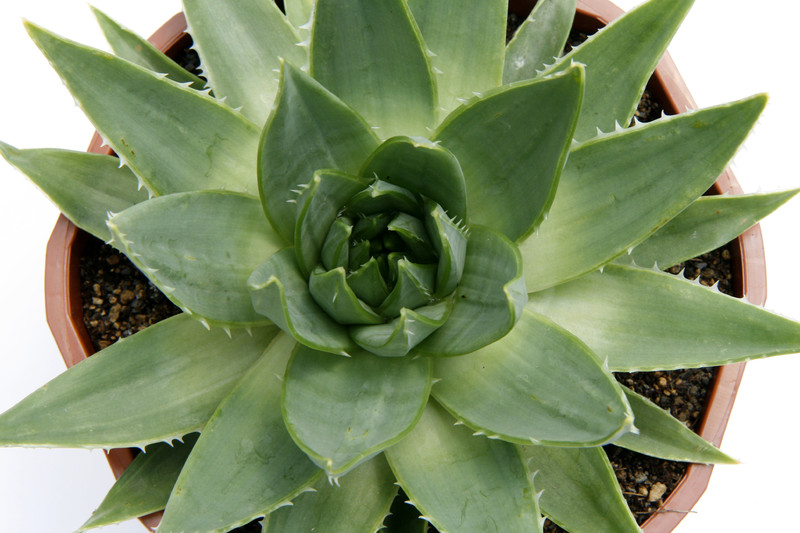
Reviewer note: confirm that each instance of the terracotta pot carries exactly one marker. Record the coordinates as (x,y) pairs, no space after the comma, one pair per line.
(64,249)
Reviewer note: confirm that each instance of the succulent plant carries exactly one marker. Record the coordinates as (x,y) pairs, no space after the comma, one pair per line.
(407,253)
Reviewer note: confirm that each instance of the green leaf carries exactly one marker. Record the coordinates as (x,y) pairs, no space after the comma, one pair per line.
(462,483)
(708,223)
(422,166)
(579,489)
(343,410)
(156,385)
(336,248)
(619,60)
(128,45)
(491,293)
(398,337)
(317,208)
(381,196)
(199,248)
(511,178)
(647,320)
(616,190)
(244,464)
(413,233)
(368,284)
(140,114)
(145,485)
(661,435)
(85,187)
(540,40)
(357,504)
(299,11)
(396,94)
(413,288)
(450,244)
(330,290)
(404,517)
(242,43)
(465,42)
(280,292)
(537,384)
(296,143)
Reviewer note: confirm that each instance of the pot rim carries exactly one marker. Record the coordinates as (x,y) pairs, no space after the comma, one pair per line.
(63,305)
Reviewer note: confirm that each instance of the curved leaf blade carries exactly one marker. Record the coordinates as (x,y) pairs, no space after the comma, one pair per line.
(140,114)
(134,392)
(240,469)
(648,320)
(85,187)
(357,504)
(396,95)
(708,223)
(619,60)
(540,39)
(280,292)
(330,290)
(466,41)
(511,179)
(401,335)
(296,143)
(128,45)
(617,190)
(579,478)
(344,410)
(521,379)
(240,64)
(662,435)
(145,485)
(491,293)
(199,248)
(463,483)
(421,166)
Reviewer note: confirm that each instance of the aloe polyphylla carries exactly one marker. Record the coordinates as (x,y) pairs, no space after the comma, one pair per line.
(407,253)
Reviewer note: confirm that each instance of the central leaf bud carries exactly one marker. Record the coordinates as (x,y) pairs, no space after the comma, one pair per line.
(388,249)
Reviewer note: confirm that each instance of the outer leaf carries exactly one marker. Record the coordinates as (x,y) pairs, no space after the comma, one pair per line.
(317,208)
(466,41)
(141,114)
(242,43)
(85,187)
(398,337)
(145,485)
(579,489)
(128,45)
(136,392)
(661,435)
(708,223)
(244,465)
(422,166)
(511,179)
(280,292)
(396,94)
(647,320)
(537,384)
(462,483)
(491,293)
(616,190)
(343,410)
(357,504)
(619,61)
(199,248)
(540,39)
(296,143)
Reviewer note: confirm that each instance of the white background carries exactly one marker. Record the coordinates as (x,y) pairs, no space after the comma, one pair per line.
(722,55)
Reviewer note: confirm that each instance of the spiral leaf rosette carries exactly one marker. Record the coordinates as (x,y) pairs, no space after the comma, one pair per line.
(407,253)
